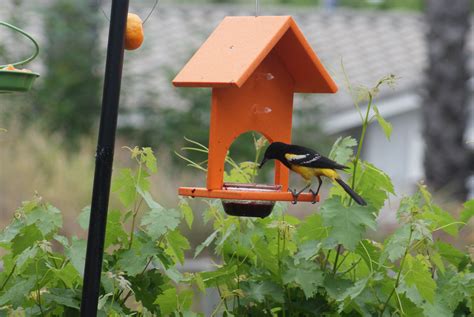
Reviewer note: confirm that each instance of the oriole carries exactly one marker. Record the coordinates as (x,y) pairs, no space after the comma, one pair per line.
(308,164)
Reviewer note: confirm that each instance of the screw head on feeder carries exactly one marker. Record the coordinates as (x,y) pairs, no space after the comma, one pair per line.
(134,32)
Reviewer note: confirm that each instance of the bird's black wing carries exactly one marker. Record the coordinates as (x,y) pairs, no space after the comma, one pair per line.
(302,156)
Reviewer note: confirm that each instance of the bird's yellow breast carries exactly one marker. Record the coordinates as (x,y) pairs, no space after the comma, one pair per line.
(306,172)
(309,172)
(328,172)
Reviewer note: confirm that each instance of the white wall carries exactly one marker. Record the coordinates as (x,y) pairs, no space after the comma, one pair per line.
(401,157)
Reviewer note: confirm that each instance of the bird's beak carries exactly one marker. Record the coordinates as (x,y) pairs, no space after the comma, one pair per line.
(263,162)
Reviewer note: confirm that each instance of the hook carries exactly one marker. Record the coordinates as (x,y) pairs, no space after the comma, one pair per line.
(149,14)
(152,9)
(32,57)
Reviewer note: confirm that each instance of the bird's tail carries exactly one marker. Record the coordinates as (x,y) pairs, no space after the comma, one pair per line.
(351,193)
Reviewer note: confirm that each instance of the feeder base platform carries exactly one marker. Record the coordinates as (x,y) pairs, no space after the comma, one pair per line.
(243,195)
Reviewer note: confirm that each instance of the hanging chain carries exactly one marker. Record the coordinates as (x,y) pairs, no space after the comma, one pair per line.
(257,7)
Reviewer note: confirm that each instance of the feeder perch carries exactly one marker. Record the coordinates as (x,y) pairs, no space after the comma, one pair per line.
(17,80)
(254,65)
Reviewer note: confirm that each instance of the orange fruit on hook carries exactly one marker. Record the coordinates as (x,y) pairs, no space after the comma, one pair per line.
(134,33)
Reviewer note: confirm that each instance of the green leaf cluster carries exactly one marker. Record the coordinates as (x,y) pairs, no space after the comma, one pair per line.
(43,270)
(323,265)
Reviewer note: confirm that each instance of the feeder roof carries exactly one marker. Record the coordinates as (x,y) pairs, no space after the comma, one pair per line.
(239,44)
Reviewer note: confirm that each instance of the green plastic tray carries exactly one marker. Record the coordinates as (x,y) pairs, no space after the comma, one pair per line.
(16,80)
(12,80)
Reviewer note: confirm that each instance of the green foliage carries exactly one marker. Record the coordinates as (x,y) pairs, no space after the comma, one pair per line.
(347,224)
(43,270)
(323,265)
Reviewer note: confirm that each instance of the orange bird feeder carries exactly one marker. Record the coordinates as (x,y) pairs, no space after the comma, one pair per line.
(254,65)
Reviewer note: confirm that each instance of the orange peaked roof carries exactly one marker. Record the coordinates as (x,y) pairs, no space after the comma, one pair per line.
(239,44)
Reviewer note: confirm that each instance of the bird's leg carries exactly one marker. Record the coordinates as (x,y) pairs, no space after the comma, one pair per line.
(315,194)
(296,194)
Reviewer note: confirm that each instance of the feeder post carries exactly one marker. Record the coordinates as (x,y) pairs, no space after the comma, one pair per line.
(104,158)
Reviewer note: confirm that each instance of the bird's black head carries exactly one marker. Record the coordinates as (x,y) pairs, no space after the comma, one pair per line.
(275,151)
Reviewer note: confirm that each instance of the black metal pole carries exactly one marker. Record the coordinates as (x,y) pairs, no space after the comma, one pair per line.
(104,158)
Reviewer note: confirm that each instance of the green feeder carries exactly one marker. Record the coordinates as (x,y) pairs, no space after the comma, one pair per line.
(17,80)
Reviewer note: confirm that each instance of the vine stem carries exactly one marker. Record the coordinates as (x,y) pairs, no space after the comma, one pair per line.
(397,282)
(325,263)
(8,277)
(279,261)
(130,291)
(365,124)
(238,263)
(334,269)
(135,207)
(342,261)
(38,290)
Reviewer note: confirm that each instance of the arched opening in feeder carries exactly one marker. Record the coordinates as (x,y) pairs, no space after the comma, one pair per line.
(248,149)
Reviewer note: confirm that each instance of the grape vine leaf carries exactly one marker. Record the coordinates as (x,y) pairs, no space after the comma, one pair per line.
(468,211)
(265,255)
(384,124)
(177,243)
(171,300)
(20,288)
(124,185)
(453,288)
(199,282)
(441,219)
(68,274)
(25,238)
(450,253)
(258,291)
(143,283)
(134,260)
(307,251)
(27,254)
(206,243)
(312,229)
(335,286)
(395,245)
(342,150)
(77,254)
(115,232)
(374,185)
(47,219)
(348,223)
(10,232)
(158,221)
(63,297)
(187,212)
(150,159)
(369,251)
(351,293)
(306,275)
(221,275)
(436,309)
(416,272)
